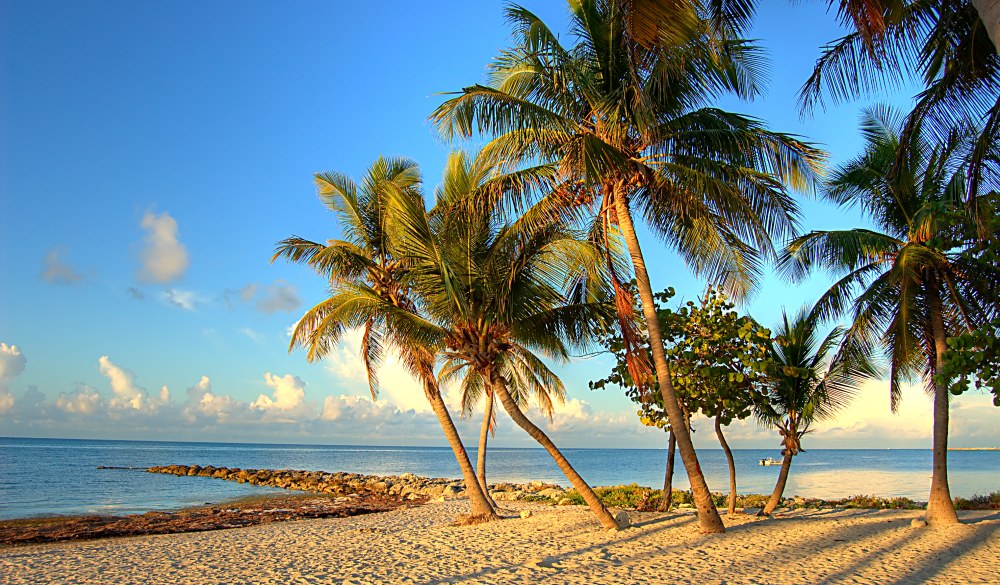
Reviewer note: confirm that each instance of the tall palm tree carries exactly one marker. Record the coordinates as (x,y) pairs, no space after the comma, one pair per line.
(905,284)
(498,293)
(629,130)
(368,290)
(808,382)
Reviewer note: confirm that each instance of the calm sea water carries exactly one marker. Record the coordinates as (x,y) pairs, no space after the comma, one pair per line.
(58,476)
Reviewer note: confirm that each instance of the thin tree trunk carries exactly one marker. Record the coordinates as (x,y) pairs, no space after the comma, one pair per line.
(732,466)
(499,385)
(940,508)
(481,508)
(708,516)
(779,487)
(484,432)
(989,13)
(668,477)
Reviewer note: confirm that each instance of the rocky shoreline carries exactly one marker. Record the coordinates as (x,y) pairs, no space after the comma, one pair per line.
(405,487)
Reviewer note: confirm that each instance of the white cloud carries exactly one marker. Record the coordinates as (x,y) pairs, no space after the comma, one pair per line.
(242,295)
(164,259)
(12,363)
(288,402)
(183,299)
(57,271)
(84,400)
(278,296)
(254,336)
(202,402)
(128,395)
(397,386)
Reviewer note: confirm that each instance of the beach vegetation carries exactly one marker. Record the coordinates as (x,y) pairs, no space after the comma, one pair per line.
(950,47)
(496,294)
(633,131)
(906,284)
(370,291)
(990,501)
(719,361)
(810,378)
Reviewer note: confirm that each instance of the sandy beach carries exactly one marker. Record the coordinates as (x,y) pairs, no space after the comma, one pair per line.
(553,545)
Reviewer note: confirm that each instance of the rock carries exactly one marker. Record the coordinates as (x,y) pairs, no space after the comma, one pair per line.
(564,502)
(451,491)
(799,501)
(551,492)
(408,476)
(526,514)
(622,520)
(918,523)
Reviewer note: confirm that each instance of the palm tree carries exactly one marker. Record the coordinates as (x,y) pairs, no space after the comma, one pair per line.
(368,291)
(628,130)
(947,45)
(499,292)
(906,284)
(807,383)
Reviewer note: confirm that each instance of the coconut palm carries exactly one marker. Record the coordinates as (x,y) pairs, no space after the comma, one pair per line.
(498,293)
(906,285)
(368,291)
(628,131)
(808,382)
(944,43)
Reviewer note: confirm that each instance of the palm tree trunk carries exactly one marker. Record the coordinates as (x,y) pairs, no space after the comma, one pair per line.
(668,477)
(499,387)
(481,508)
(708,517)
(940,508)
(732,466)
(989,13)
(779,487)
(484,432)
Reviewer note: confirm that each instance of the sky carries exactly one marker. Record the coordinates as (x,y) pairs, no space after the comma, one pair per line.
(152,154)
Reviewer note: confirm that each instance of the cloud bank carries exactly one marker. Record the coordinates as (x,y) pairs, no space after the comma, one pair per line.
(287,409)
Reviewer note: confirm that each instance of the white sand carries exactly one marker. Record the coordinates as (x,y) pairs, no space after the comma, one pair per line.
(555,545)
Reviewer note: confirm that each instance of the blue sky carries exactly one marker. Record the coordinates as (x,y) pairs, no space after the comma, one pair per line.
(151,154)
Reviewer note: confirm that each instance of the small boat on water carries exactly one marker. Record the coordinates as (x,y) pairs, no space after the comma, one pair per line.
(770,461)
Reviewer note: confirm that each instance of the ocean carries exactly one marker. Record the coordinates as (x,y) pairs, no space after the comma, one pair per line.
(61,476)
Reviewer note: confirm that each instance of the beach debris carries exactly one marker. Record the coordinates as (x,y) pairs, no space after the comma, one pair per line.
(236,514)
(918,523)
(623,520)
(526,514)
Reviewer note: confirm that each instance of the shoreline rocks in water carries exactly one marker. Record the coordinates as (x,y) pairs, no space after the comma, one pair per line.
(406,486)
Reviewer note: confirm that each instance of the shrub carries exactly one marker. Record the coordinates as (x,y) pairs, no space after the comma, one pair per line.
(752,501)
(979,502)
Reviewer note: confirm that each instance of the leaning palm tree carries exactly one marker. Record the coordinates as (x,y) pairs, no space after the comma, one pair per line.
(906,284)
(629,130)
(526,379)
(500,293)
(807,383)
(368,291)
